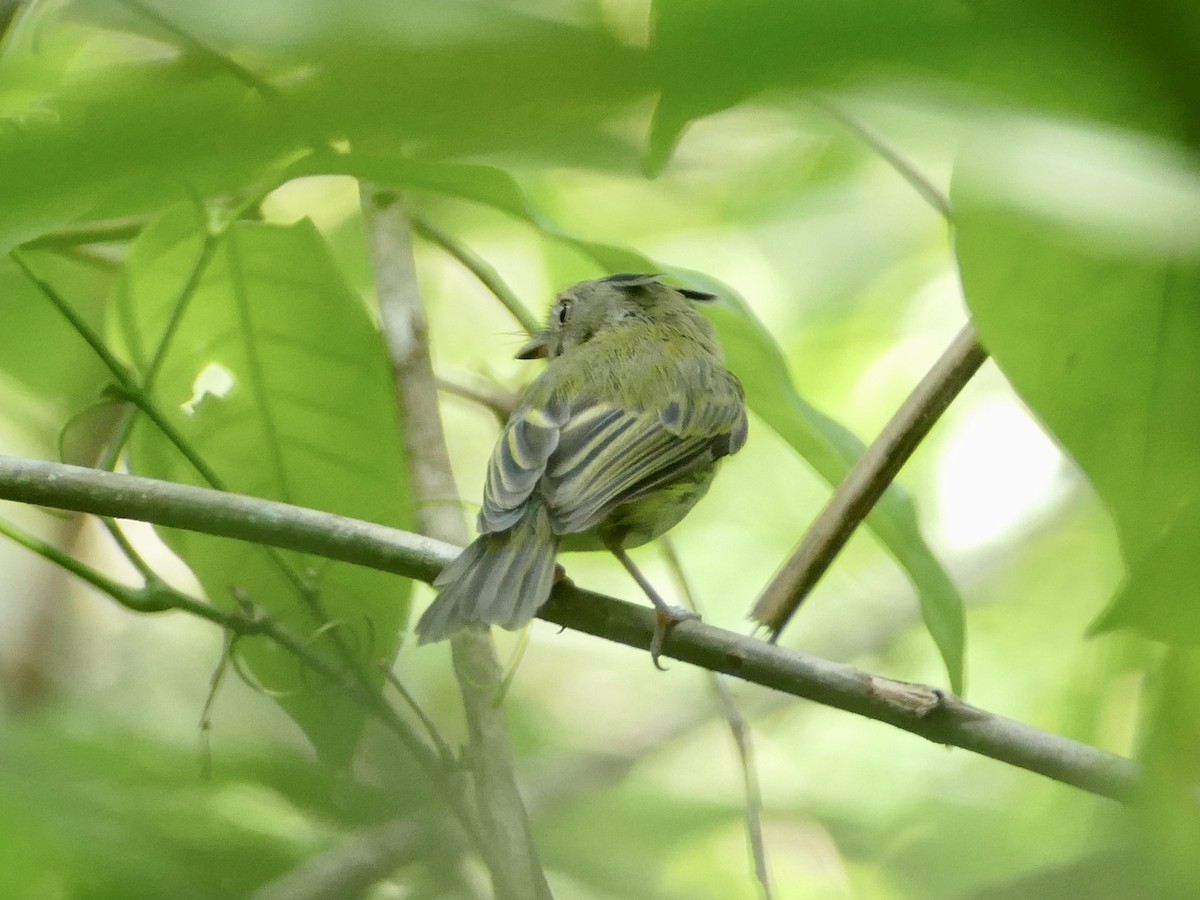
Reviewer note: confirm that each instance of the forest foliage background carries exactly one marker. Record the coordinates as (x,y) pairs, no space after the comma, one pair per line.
(181,182)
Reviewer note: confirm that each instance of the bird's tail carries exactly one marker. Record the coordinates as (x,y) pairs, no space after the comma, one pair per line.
(501,579)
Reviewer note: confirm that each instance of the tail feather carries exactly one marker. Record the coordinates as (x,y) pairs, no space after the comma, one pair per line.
(500,579)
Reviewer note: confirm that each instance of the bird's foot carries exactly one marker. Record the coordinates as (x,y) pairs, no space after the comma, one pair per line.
(666,618)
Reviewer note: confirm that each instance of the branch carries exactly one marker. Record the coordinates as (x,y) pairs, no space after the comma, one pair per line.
(862,487)
(513,858)
(499,401)
(891,155)
(482,270)
(921,710)
(352,867)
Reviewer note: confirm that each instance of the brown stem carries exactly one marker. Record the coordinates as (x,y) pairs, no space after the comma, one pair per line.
(864,485)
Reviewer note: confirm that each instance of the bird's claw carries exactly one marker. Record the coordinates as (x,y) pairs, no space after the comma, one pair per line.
(666,618)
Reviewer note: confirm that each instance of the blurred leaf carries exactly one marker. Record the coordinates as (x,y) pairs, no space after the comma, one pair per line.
(712,55)
(138,125)
(129,140)
(1101,337)
(71,376)
(278,378)
(120,817)
(1170,819)
(620,841)
(1114,873)
(1122,62)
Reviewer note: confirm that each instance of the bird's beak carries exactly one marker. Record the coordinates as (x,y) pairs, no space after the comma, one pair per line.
(535,349)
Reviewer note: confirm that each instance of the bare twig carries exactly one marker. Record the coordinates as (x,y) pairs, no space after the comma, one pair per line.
(112,231)
(743,742)
(495,399)
(351,868)
(918,709)
(481,269)
(891,154)
(516,869)
(866,482)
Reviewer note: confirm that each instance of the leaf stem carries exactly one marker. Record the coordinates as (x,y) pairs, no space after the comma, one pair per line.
(481,269)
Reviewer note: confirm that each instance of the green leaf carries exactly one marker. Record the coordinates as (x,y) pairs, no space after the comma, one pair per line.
(278,378)
(1094,319)
(88,811)
(72,376)
(127,141)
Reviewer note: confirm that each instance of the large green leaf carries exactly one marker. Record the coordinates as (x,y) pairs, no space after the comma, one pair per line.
(72,376)
(277,376)
(1091,311)
(1048,55)
(98,125)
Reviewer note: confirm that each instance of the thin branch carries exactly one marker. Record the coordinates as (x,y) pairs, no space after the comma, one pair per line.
(481,269)
(349,869)
(135,393)
(891,154)
(201,49)
(113,231)
(865,483)
(130,552)
(499,401)
(514,863)
(921,710)
(739,728)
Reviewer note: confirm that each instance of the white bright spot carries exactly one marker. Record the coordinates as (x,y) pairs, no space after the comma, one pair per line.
(997,470)
(1135,192)
(214,380)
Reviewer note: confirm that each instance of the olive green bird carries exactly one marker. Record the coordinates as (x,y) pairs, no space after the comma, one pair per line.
(607,449)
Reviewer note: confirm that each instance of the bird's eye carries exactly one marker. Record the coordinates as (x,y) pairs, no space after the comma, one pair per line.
(564,312)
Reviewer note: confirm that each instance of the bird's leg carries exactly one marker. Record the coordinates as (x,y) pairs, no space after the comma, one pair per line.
(666,616)
(561,576)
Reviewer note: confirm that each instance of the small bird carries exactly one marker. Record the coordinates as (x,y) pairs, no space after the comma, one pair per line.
(608,448)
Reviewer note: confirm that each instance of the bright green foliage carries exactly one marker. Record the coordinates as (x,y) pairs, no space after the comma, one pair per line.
(528,131)
(275,374)
(1103,341)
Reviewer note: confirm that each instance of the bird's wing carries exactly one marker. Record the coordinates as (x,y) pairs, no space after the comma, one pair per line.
(588,457)
(607,455)
(518,462)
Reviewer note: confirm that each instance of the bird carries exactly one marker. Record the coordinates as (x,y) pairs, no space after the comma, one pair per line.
(607,449)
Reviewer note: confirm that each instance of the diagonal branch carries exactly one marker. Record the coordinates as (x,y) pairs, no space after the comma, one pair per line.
(921,710)
(862,487)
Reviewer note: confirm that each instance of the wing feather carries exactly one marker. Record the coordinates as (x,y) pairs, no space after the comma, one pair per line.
(517,464)
(609,456)
(588,458)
